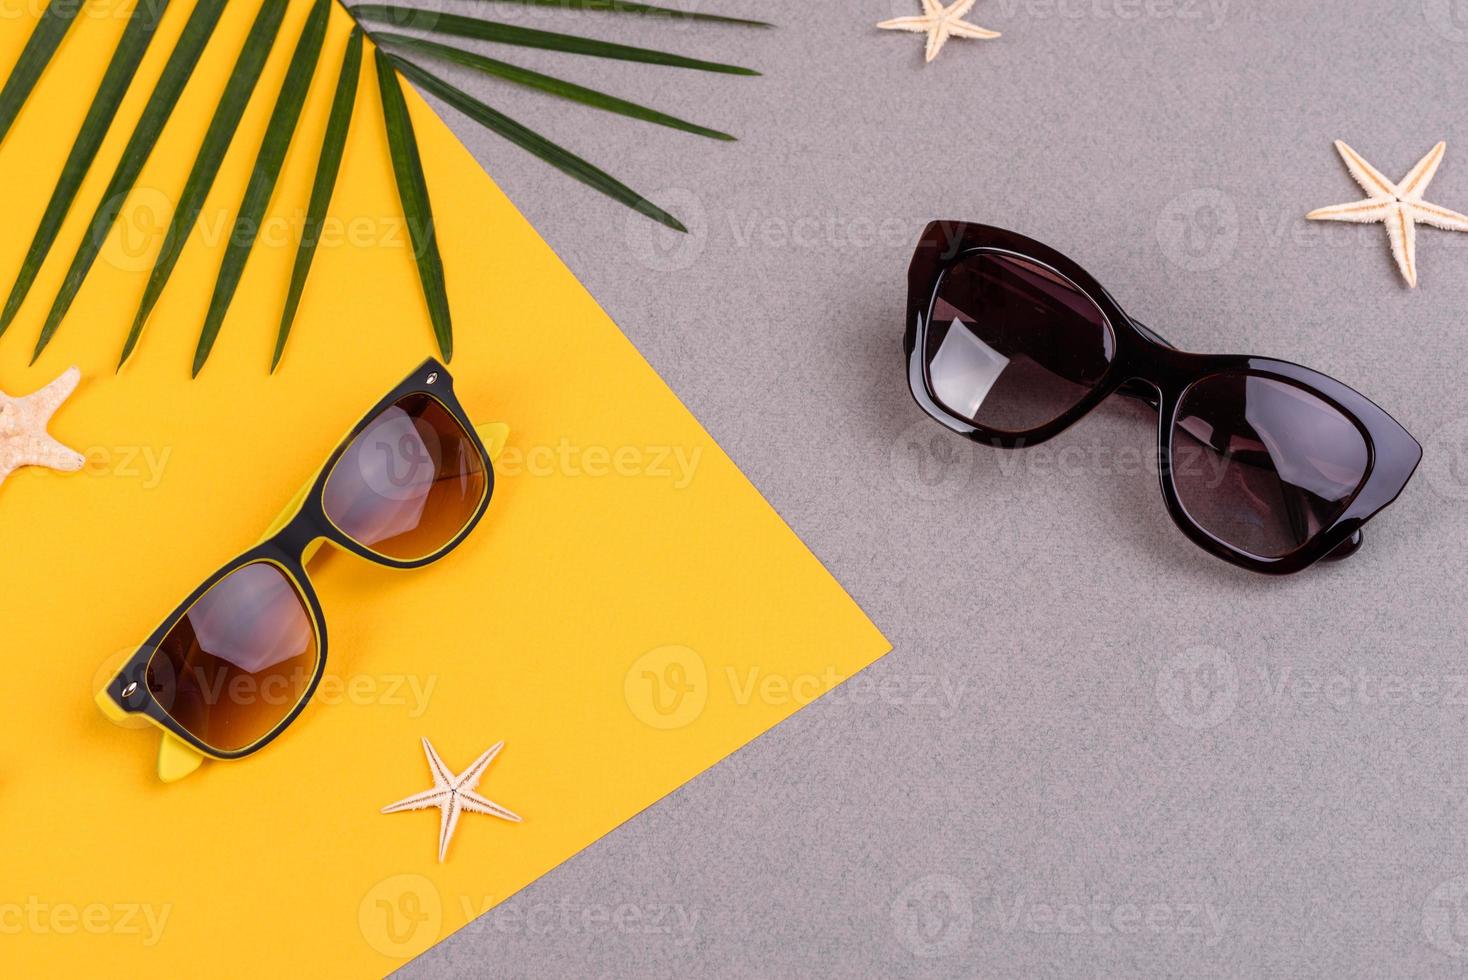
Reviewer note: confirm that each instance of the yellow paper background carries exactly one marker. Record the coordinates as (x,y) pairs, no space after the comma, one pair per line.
(547,628)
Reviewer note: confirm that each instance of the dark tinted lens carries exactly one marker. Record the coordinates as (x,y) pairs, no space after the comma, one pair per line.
(408,483)
(239,660)
(1012,345)
(1262,464)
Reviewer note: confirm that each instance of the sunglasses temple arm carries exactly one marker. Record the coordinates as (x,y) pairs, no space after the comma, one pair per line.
(1146,393)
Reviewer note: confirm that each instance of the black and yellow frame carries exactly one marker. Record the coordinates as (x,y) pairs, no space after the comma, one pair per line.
(289,544)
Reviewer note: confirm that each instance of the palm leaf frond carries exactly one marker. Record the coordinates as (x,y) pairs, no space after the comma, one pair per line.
(431,28)
(546,83)
(176,74)
(413,191)
(627,7)
(237,92)
(55,21)
(136,37)
(278,133)
(554,154)
(327,168)
(528,37)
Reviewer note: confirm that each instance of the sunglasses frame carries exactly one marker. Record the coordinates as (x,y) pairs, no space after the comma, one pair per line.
(1149,368)
(289,544)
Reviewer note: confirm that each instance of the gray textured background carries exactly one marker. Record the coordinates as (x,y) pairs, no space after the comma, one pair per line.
(1095,751)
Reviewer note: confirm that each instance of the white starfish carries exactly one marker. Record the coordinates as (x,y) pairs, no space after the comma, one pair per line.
(940,23)
(23,437)
(453,794)
(1399,206)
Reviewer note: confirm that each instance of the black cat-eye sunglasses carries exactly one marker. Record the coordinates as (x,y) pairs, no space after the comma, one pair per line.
(1264,463)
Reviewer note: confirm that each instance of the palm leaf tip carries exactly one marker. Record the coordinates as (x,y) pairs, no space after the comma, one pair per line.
(629,7)
(327,168)
(417,208)
(140,145)
(545,83)
(263,178)
(243,78)
(142,23)
(457,25)
(39,48)
(527,139)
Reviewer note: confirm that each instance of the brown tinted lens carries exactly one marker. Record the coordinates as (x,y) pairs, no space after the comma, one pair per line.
(408,483)
(1013,345)
(1263,465)
(239,660)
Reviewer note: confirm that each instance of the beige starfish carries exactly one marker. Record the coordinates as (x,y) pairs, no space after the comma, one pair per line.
(23,437)
(1399,206)
(940,23)
(453,794)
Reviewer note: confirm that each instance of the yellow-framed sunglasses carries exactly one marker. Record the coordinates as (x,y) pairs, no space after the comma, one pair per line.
(235,662)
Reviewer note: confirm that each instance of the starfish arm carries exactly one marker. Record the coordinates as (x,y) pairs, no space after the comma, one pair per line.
(1415,183)
(470,777)
(965,29)
(448,820)
(960,9)
(936,39)
(49,399)
(933,8)
(1403,234)
(1365,211)
(1439,217)
(45,451)
(1366,175)
(918,25)
(475,803)
(442,778)
(418,801)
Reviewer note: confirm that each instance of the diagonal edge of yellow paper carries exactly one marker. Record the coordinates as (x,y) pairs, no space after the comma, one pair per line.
(630,612)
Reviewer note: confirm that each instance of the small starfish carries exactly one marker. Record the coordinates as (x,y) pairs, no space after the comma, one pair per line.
(1399,206)
(23,437)
(453,794)
(940,23)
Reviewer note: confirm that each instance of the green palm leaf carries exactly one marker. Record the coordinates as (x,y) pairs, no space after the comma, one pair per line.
(220,134)
(545,83)
(625,6)
(176,74)
(484,30)
(278,133)
(245,75)
(413,191)
(553,154)
(327,168)
(115,81)
(55,21)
